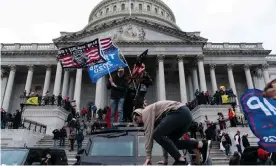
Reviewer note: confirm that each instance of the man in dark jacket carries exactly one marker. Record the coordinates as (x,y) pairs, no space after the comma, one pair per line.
(117,85)
(209,132)
(56,137)
(62,136)
(245,141)
(227,143)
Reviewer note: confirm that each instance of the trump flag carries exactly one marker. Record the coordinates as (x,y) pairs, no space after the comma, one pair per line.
(113,61)
(261,116)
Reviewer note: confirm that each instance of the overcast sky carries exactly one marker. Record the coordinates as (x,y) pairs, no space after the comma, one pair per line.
(30,21)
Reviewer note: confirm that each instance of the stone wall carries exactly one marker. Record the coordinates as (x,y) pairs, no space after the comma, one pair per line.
(20,137)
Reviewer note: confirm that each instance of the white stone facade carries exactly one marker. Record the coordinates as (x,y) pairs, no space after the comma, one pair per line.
(178,62)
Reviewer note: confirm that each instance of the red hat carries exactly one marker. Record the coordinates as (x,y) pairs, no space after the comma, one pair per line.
(238,131)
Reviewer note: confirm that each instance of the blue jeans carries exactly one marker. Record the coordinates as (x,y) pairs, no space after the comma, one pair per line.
(114,104)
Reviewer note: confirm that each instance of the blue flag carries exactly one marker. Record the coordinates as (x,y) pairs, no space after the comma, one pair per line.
(113,62)
(261,115)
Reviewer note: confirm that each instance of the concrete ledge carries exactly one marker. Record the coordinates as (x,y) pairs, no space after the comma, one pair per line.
(52,116)
(19,137)
(211,111)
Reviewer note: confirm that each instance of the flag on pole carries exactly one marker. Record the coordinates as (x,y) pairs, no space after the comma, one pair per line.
(113,60)
(81,56)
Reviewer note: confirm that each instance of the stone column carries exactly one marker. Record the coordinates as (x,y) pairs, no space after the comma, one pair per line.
(57,79)
(100,93)
(182,81)
(248,76)
(157,85)
(4,81)
(265,73)
(9,88)
(190,86)
(29,79)
(65,84)
(71,88)
(47,80)
(77,93)
(195,79)
(162,88)
(213,78)
(202,78)
(232,81)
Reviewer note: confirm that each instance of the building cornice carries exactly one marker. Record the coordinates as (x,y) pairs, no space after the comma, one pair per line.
(30,52)
(237,52)
(112,24)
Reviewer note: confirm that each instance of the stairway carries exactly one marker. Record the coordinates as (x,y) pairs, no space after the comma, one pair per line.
(218,157)
(47,142)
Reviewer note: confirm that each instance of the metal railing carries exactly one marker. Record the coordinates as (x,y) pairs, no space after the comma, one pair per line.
(26,124)
(33,126)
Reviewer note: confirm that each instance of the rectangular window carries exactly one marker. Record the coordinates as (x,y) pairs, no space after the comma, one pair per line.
(117,147)
(13,156)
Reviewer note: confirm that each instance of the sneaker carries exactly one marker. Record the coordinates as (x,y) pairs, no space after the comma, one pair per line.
(205,150)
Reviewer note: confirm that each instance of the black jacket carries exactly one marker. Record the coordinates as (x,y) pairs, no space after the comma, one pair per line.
(56,134)
(63,133)
(245,141)
(120,90)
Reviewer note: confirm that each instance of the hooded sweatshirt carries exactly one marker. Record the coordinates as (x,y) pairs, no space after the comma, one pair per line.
(149,116)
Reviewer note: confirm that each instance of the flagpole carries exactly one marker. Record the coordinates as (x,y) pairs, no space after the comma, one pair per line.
(125,62)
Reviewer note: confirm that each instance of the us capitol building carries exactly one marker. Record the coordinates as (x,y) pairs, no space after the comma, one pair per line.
(179,62)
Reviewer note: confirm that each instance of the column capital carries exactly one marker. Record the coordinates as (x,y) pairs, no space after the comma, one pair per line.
(13,67)
(200,58)
(180,57)
(230,66)
(160,58)
(247,66)
(265,66)
(212,66)
(30,67)
(48,67)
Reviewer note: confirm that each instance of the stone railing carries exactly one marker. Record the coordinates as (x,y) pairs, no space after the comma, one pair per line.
(234,46)
(271,58)
(28,46)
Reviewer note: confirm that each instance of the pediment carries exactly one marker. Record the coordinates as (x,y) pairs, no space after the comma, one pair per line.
(132,30)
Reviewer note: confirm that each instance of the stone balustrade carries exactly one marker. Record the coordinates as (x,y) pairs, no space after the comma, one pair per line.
(208,46)
(271,58)
(28,46)
(234,46)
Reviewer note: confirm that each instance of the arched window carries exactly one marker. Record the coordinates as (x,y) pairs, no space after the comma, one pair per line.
(132,6)
(140,7)
(123,6)
(101,13)
(162,13)
(156,10)
(114,8)
(107,10)
(148,7)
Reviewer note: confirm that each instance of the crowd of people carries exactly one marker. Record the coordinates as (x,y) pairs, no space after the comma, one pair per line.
(205,98)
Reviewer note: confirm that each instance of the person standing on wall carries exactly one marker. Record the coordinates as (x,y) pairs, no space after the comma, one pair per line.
(117,85)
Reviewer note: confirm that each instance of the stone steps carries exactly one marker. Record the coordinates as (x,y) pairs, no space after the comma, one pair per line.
(48,142)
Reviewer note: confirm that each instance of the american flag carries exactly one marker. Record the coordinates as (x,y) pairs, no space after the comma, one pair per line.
(106,43)
(81,56)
